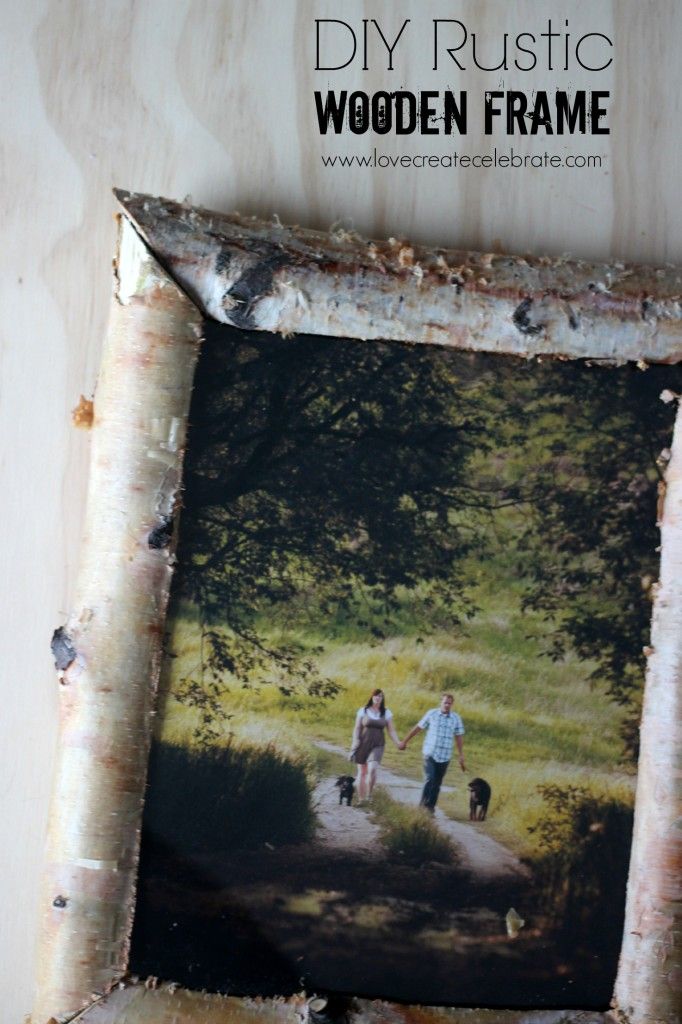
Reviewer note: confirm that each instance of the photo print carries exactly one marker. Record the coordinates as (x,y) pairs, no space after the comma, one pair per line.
(396,737)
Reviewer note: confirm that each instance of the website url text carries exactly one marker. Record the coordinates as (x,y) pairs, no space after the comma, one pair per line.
(478,160)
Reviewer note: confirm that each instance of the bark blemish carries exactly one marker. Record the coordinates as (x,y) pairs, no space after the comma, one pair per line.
(63,650)
(59,902)
(254,283)
(648,311)
(160,536)
(573,319)
(522,319)
(674,979)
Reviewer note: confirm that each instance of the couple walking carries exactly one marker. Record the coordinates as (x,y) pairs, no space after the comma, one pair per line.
(443,728)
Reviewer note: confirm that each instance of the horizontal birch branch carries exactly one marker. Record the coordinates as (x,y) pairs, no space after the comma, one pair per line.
(144,1004)
(260,275)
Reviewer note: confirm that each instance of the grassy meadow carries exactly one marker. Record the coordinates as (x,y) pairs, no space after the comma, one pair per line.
(530,721)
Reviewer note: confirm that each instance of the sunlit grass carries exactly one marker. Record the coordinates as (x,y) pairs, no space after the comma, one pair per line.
(529,721)
(409,833)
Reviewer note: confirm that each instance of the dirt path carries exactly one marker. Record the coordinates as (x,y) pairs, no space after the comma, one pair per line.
(342,827)
(347,828)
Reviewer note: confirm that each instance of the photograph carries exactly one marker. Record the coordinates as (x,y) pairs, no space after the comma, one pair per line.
(396,737)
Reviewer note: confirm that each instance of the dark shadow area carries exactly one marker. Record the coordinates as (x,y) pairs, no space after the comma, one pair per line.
(274,918)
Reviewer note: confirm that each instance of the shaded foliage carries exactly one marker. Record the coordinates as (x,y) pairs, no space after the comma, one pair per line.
(589,549)
(340,478)
(326,472)
(223,799)
(583,868)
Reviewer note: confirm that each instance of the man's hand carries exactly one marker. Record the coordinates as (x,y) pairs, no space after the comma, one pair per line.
(411,733)
(402,745)
(462,764)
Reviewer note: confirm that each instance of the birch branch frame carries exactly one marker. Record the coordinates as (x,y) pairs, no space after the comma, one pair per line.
(176,264)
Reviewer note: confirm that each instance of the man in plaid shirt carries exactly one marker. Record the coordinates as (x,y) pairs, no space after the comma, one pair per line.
(443,728)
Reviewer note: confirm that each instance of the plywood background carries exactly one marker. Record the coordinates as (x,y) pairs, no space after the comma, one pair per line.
(214,98)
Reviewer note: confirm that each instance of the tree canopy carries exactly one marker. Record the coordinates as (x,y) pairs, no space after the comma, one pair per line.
(343,475)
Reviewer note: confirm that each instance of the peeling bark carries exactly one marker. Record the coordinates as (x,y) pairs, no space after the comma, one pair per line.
(649,984)
(108,653)
(262,276)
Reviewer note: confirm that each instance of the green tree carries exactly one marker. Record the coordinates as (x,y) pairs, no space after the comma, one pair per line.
(330,471)
(589,547)
(343,475)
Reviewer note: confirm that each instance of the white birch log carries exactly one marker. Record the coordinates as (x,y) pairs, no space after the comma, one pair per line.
(258,275)
(109,651)
(649,984)
(140,1004)
(145,1003)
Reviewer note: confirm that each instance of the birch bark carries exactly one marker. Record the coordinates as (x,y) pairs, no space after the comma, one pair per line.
(139,1005)
(263,276)
(649,985)
(108,653)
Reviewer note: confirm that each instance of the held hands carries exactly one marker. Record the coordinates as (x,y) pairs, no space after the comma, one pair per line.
(402,745)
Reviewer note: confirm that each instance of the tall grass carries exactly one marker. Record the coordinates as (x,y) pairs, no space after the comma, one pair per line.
(224,799)
(409,834)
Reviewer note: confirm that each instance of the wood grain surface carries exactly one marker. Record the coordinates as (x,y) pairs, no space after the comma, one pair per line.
(214,98)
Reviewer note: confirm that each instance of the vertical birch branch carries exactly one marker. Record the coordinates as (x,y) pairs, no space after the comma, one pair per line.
(649,984)
(108,653)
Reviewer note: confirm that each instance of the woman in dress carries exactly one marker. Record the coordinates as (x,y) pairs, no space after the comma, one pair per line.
(371,724)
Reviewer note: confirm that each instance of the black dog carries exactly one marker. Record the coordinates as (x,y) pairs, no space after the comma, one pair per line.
(346,786)
(479,798)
